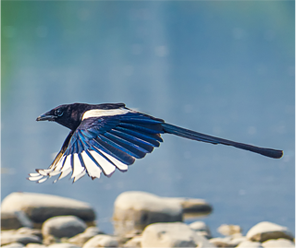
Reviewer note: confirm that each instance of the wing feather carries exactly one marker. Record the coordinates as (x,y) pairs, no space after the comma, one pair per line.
(146,146)
(64,174)
(106,165)
(152,129)
(133,150)
(121,166)
(118,152)
(109,143)
(153,139)
(79,176)
(92,167)
(77,166)
(103,143)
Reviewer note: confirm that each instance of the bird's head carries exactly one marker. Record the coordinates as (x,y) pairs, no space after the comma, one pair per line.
(68,115)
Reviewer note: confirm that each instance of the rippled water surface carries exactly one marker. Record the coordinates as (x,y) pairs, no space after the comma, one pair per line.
(222,68)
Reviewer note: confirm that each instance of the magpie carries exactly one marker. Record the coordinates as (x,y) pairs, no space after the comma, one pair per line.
(110,136)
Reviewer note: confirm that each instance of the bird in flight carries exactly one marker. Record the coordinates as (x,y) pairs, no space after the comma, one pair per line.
(110,136)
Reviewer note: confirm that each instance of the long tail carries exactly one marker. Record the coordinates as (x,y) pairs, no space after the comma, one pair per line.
(179,131)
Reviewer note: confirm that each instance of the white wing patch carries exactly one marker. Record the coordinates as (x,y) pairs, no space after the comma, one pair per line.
(35,176)
(79,176)
(104,112)
(64,173)
(78,168)
(92,169)
(67,164)
(107,167)
(121,166)
(63,168)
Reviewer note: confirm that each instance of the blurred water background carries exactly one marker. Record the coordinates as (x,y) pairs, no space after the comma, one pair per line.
(224,68)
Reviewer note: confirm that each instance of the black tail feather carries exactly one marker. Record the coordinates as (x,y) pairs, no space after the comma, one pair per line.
(186,133)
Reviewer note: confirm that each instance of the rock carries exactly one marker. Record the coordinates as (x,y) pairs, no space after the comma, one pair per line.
(93,230)
(124,239)
(29,231)
(14,220)
(63,245)
(278,243)
(81,238)
(134,210)
(228,230)
(249,244)
(13,237)
(101,240)
(172,235)
(35,246)
(48,240)
(201,228)
(63,226)
(192,207)
(40,207)
(236,240)
(13,245)
(266,230)
(222,242)
(128,235)
(229,241)
(237,235)
(134,242)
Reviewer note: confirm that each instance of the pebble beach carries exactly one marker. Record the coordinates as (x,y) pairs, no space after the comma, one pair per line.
(140,219)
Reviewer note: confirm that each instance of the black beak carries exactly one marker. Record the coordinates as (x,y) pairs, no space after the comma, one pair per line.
(46,117)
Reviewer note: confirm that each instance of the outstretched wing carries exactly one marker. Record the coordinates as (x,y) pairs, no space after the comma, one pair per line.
(104,141)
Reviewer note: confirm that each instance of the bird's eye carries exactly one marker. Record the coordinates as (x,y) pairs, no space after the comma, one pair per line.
(59,112)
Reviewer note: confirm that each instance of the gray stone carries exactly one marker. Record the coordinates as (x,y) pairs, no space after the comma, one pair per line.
(134,242)
(12,237)
(249,244)
(228,230)
(283,243)
(93,230)
(63,245)
(201,228)
(192,207)
(222,242)
(266,230)
(81,238)
(172,235)
(134,210)
(14,220)
(40,207)
(101,240)
(13,245)
(131,234)
(30,231)
(236,240)
(35,246)
(63,226)
(228,241)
